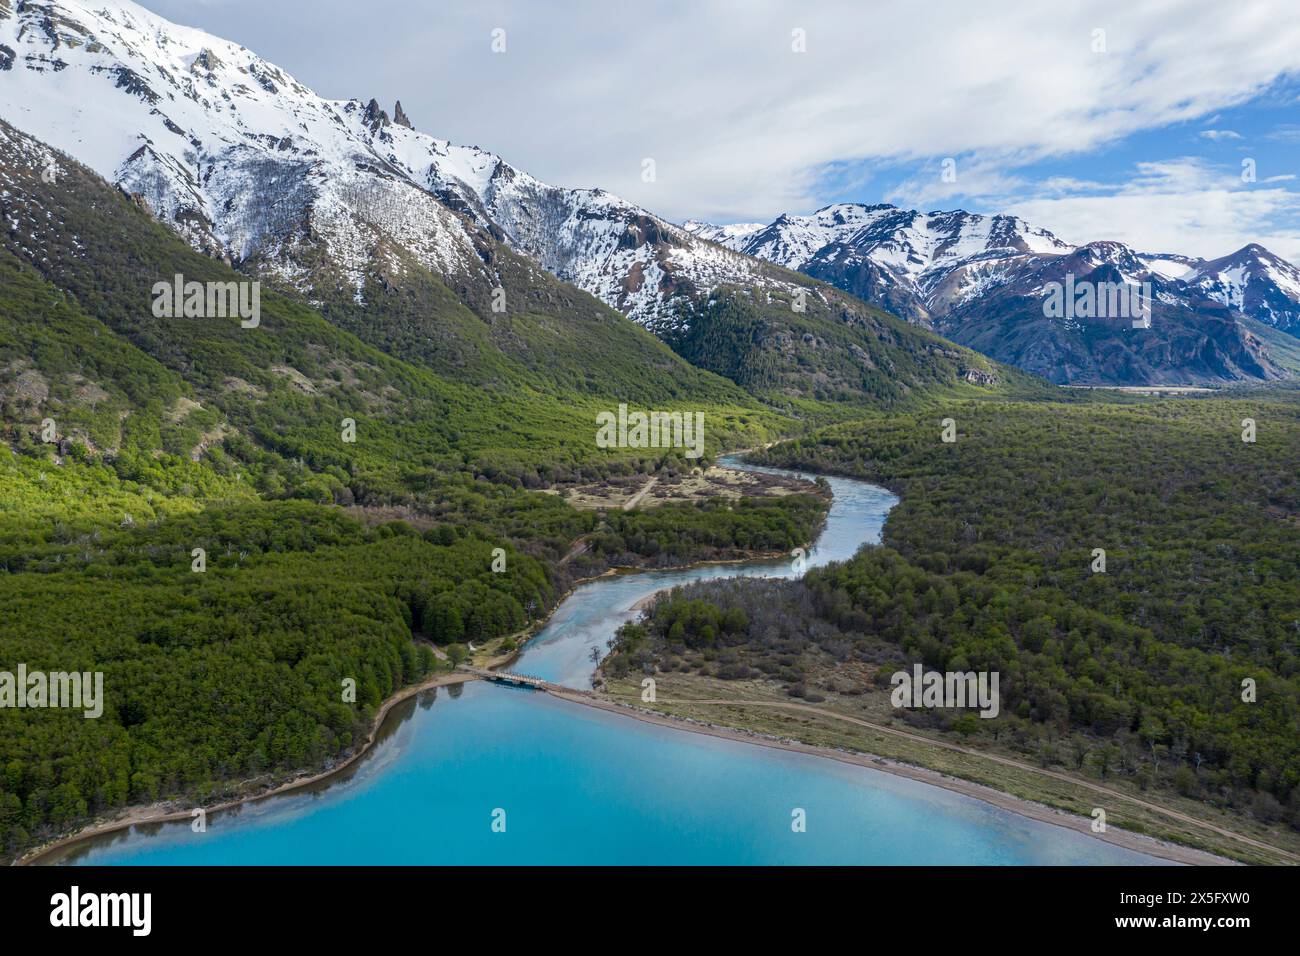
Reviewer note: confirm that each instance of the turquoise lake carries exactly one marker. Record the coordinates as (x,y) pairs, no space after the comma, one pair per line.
(568,784)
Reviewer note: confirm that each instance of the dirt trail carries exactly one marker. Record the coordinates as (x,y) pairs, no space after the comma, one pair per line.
(578,548)
(636,498)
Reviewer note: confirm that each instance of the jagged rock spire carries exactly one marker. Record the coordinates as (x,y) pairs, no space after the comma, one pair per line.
(400,117)
(375,117)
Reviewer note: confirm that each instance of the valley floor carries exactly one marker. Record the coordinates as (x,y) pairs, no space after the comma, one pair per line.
(701,484)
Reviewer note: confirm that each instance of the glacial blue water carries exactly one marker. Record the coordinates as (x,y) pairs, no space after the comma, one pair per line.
(489,774)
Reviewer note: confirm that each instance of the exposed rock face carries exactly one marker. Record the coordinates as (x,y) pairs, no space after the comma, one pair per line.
(978,376)
(206,61)
(374,118)
(1188,340)
(400,117)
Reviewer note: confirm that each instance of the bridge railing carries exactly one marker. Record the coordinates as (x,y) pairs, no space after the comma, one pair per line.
(509,676)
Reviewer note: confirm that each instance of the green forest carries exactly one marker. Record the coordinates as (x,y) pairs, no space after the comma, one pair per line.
(347,498)
(989,563)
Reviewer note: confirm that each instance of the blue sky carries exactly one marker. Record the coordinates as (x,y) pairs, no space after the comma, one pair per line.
(1186,173)
(1114,119)
(1266,129)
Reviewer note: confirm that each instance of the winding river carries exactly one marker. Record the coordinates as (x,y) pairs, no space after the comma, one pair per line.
(479,773)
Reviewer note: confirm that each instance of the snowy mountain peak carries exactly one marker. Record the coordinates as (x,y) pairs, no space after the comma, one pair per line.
(723,235)
(924,266)
(907,242)
(1253,281)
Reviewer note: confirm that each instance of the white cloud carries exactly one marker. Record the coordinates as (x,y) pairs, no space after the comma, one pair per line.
(1219,135)
(1180,205)
(739,125)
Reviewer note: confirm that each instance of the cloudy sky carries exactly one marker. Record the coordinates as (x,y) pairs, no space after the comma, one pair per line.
(1170,126)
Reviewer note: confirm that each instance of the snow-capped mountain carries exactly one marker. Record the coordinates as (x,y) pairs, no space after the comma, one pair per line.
(1254,282)
(933,264)
(919,246)
(251,165)
(344,203)
(917,264)
(724,235)
(619,252)
(227,148)
(982,280)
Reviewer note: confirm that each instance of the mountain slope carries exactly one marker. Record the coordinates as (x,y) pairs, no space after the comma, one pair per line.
(1187,341)
(766,328)
(437,253)
(252,168)
(120,379)
(94,257)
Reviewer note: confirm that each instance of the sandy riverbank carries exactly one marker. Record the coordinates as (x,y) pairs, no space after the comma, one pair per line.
(1137,842)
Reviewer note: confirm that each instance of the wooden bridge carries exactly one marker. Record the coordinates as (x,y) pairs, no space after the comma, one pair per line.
(508,677)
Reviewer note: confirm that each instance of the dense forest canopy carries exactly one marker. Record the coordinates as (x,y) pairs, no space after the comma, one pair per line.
(989,563)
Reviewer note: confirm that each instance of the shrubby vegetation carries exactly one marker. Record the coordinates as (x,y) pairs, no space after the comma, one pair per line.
(712,529)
